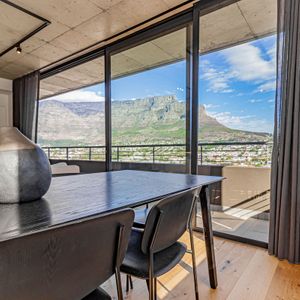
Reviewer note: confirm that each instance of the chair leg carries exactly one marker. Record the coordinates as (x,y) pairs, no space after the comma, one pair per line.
(155,288)
(131,283)
(151,288)
(119,285)
(127,283)
(194,263)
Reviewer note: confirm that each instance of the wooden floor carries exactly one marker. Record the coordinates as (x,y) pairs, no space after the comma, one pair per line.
(244,272)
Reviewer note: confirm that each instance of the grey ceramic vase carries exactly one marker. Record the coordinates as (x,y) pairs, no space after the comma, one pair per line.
(25,173)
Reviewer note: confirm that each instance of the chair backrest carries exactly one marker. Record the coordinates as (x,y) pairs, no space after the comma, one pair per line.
(167,221)
(66,262)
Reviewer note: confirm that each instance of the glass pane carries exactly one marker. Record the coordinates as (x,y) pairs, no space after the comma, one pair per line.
(71,123)
(236,96)
(149,92)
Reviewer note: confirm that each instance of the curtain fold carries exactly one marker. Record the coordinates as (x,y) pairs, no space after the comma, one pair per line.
(25,95)
(284,238)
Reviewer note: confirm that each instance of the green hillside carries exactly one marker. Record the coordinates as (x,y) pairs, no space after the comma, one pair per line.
(153,120)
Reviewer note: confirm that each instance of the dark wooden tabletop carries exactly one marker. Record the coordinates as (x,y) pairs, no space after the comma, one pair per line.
(72,198)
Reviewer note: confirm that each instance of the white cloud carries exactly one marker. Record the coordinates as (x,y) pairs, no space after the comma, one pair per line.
(267,87)
(217,80)
(228,119)
(247,122)
(220,85)
(248,63)
(208,106)
(168,92)
(79,96)
(272,52)
(255,101)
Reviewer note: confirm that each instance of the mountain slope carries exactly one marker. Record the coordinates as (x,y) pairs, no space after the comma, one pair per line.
(158,119)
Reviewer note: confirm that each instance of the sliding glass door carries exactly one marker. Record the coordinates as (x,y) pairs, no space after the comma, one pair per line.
(236,110)
(194,93)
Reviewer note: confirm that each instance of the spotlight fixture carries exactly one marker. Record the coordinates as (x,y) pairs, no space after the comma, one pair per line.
(17,45)
(19,49)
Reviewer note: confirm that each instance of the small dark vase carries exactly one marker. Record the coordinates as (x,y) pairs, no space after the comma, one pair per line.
(25,173)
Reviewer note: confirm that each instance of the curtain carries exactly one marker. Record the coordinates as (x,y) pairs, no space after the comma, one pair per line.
(25,95)
(284,238)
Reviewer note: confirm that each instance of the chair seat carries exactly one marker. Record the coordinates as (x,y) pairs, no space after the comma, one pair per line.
(97,294)
(136,262)
(140,216)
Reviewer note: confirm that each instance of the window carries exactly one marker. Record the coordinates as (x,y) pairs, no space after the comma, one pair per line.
(237,73)
(71,122)
(149,98)
(150,88)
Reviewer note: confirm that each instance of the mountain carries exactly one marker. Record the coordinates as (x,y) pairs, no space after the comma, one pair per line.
(71,124)
(150,120)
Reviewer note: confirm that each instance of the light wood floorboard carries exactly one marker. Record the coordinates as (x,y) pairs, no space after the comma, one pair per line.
(244,273)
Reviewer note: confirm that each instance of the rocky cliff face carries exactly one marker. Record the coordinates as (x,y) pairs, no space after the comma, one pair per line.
(62,124)
(158,119)
(147,112)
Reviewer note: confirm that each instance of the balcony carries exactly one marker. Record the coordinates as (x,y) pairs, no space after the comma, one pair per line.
(256,154)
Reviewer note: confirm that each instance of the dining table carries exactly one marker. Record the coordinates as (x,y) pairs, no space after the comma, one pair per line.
(75,198)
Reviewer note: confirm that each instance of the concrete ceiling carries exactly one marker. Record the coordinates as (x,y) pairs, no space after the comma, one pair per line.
(77,24)
(14,25)
(85,74)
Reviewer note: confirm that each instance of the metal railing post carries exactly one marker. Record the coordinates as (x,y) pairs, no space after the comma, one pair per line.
(201,155)
(67,153)
(90,153)
(153,154)
(118,153)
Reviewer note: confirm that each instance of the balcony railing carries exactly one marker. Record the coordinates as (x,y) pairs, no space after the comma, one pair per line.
(223,153)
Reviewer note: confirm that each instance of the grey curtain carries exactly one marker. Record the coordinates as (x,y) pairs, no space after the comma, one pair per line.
(25,95)
(284,239)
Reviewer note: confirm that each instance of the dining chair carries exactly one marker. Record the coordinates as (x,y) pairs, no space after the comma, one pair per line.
(67,262)
(155,250)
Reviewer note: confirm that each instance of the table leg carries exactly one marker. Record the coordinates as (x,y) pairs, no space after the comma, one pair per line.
(208,235)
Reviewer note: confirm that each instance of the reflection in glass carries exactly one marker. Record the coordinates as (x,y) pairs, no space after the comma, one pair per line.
(237,74)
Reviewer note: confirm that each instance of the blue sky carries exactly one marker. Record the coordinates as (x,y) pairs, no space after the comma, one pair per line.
(236,85)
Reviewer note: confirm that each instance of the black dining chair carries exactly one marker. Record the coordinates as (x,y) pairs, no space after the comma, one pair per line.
(155,250)
(68,262)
